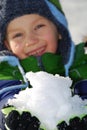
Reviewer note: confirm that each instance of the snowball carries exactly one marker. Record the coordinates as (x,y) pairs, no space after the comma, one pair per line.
(49,99)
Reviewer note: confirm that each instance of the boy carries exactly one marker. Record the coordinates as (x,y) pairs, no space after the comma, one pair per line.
(60,30)
(28,29)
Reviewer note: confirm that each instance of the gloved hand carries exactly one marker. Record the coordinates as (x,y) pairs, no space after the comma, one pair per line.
(74,124)
(23,121)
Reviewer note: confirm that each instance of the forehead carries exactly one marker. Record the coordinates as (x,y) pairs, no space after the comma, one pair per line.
(26,20)
(29,18)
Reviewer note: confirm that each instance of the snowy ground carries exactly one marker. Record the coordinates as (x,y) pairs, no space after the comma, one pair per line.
(76,13)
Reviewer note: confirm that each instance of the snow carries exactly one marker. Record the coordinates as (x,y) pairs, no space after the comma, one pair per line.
(50,99)
(76,13)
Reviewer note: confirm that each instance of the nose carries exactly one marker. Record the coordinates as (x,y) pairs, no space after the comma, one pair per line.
(31,39)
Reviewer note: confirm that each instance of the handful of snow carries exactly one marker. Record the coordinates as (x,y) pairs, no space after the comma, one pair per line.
(50,99)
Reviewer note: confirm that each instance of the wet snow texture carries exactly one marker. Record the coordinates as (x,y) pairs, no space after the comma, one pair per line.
(50,99)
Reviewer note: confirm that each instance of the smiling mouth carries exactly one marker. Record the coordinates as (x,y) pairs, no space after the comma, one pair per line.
(37,52)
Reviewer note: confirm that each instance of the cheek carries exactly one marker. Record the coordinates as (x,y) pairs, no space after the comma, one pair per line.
(48,34)
(53,47)
(52,41)
(51,35)
(16,47)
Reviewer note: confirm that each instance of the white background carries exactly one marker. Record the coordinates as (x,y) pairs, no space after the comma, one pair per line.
(76,13)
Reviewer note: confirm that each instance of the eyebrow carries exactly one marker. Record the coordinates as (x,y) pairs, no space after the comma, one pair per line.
(38,19)
(16,30)
(13,30)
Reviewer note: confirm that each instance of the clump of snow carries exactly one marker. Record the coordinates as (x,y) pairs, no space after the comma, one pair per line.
(50,99)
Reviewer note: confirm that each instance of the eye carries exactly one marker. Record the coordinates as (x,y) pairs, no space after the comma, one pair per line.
(39,26)
(17,35)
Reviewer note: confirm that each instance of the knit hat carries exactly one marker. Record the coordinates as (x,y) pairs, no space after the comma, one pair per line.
(51,9)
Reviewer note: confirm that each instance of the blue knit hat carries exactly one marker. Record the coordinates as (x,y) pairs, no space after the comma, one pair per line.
(51,9)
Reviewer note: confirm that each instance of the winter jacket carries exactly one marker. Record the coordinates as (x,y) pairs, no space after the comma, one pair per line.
(12,72)
(78,72)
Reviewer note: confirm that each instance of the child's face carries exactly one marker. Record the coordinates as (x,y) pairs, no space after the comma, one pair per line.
(31,35)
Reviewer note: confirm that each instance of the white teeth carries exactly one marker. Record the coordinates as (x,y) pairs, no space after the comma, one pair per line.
(38,52)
